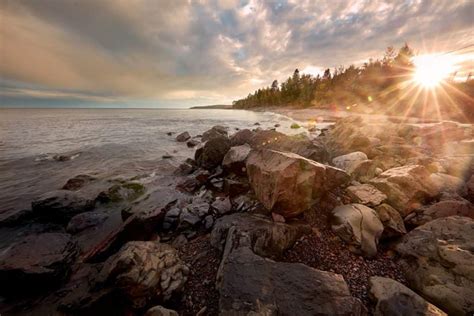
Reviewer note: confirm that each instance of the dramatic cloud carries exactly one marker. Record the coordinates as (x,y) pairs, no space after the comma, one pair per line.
(171,53)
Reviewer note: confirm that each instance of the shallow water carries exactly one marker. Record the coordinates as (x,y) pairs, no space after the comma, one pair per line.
(100,141)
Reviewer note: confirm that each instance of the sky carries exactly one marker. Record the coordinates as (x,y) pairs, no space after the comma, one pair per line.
(181,53)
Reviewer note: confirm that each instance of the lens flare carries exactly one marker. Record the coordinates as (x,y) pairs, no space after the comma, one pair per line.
(431,70)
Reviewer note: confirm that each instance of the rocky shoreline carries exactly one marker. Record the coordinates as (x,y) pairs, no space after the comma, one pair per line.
(362,218)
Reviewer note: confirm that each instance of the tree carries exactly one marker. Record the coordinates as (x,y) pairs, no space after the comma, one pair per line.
(275,85)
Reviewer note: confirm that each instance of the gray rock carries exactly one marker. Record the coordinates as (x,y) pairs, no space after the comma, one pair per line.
(437,261)
(252,285)
(349,162)
(35,263)
(394,298)
(211,155)
(222,205)
(85,220)
(391,220)
(234,160)
(192,143)
(366,194)
(160,311)
(359,226)
(61,205)
(288,184)
(267,238)
(183,137)
(208,222)
(143,272)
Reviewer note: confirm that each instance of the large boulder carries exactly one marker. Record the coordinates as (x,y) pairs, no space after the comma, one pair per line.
(359,226)
(365,194)
(212,153)
(143,272)
(61,205)
(437,261)
(450,206)
(234,160)
(242,137)
(287,183)
(394,298)
(214,132)
(267,238)
(406,187)
(252,285)
(36,262)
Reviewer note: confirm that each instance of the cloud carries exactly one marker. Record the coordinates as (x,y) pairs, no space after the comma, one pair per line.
(203,51)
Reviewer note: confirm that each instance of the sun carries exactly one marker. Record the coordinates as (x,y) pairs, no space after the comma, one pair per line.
(431,70)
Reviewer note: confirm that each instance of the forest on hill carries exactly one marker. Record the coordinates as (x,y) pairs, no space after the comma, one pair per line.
(382,86)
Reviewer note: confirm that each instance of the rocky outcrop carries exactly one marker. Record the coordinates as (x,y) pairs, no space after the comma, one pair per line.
(60,206)
(267,238)
(234,160)
(359,226)
(394,298)
(392,221)
(406,187)
(212,153)
(252,285)
(85,220)
(437,261)
(365,194)
(184,136)
(143,272)
(287,183)
(35,263)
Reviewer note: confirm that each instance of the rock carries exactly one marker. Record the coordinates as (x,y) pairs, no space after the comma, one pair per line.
(447,183)
(233,188)
(234,160)
(143,272)
(406,187)
(222,205)
(160,311)
(394,298)
(78,182)
(183,137)
(358,225)
(276,125)
(267,238)
(448,207)
(252,285)
(188,219)
(287,183)
(185,168)
(349,161)
(61,205)
(85,220)
(213,152)
(192,143)
(365,194)
(437,258)
(277,218)
(391,220)
(208,222)
(214,132)
(127,191)
(36,262)
(295,126)
(242,137)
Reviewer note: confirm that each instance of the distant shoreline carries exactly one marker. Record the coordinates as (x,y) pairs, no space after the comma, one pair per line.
(217,106)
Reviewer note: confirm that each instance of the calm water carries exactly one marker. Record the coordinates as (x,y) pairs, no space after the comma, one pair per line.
(102,141)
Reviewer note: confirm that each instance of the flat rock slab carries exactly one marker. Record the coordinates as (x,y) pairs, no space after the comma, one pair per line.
(252,285)
(36,262)
(366,194)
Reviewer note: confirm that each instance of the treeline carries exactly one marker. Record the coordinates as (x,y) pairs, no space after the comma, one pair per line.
(379,85)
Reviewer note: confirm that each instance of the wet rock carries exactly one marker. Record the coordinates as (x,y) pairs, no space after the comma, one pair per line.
(391,220)
(192,143)
(185,168)
(214,132)
(253,285)
(450,206)
(406,187)
(85,220)
(349,162)
(359,226)
(60,206)
(160,311)
(394,298)
(222,205)
(365,194)
(242,137)
(78,182)
(183,137)
(267,238)
(127,191)
(143,272)
(234,160)
(295,126)
(36,262)
(287,183)
(437,261)
(213,152)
